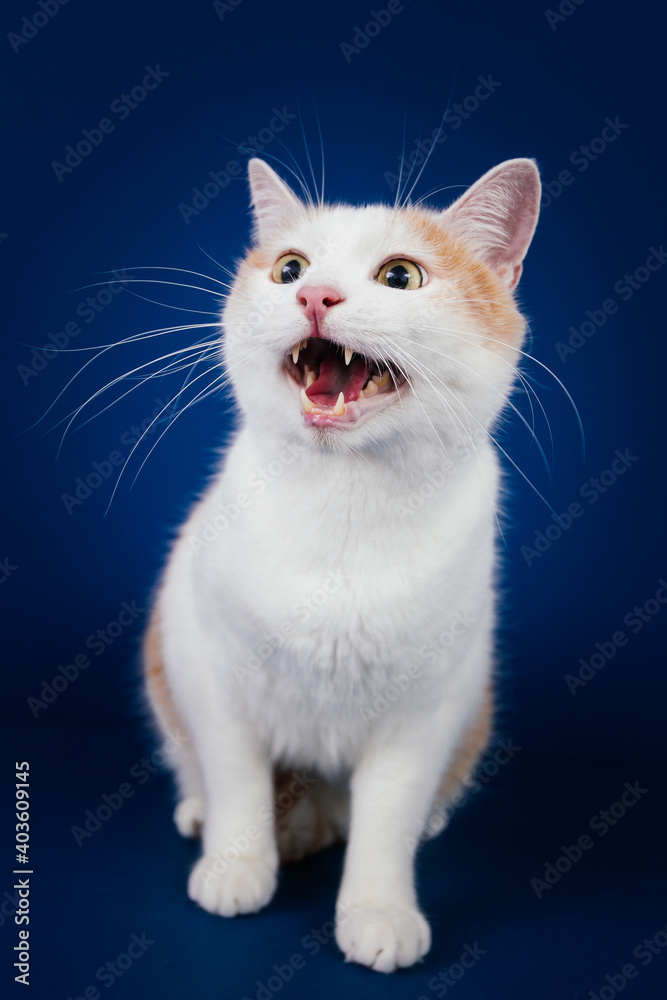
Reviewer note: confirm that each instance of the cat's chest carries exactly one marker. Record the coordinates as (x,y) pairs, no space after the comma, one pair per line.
(331,572)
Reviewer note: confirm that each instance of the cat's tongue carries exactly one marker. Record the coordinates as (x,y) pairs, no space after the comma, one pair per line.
(336,377)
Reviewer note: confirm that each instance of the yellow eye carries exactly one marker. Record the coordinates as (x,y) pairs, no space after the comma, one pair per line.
(289,267)
(400,273)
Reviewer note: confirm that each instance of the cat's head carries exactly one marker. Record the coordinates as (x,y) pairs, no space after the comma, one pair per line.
(359,326)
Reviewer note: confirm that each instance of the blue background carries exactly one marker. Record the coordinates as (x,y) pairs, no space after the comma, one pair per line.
(67,574)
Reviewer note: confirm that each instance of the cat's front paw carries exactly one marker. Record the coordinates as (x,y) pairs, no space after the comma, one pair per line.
(244,885)
(383,936)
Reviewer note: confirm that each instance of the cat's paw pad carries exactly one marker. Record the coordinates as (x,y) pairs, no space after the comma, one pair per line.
(244,885)
(189,816)
(383,936)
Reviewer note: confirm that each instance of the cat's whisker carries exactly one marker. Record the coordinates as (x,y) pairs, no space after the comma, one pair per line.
(165,372)
(217,263)
(426,414)
(530,429)
(78,410)
(151,281)
(407,359)
(297,174)
(147,430)
(219,383)
(210,312)
(483,336)
(406,199)
(160,331)
(221,380)
(169,305)
(434,191)
(319,130)
(463,334)
(499,446)
(401,203)
(400,170)
(136,338)
(181,270)
(471,440)
(252,152)
(387,364)
(310,162)
(419,369)
(467,431)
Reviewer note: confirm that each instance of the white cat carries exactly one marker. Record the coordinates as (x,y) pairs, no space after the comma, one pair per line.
(325,642)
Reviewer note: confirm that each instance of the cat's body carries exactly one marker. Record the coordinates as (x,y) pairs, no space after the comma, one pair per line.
(312,628)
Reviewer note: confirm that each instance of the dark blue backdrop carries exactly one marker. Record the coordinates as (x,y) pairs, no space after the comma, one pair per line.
(579,88)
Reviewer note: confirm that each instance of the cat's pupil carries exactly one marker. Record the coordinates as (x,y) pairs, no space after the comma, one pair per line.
(398,277)
(290,271)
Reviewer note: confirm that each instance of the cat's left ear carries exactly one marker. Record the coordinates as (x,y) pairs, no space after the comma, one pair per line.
(497,216)
(273,204)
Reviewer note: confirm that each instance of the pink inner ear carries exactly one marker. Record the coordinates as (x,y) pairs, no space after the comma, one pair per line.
(498,215)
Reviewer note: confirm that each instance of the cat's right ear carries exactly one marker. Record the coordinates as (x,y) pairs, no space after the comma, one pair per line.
(497,216)
(274,205)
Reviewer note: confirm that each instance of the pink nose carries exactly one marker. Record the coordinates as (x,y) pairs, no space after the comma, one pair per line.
(316,299)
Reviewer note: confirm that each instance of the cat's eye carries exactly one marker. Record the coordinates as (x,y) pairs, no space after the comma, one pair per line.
(289,267)
(401,273)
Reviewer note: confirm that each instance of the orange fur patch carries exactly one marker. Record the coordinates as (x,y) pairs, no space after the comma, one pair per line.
(258,258)
(155,678)
(485,293)
(475,740)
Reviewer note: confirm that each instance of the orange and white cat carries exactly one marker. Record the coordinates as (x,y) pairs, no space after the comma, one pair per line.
(298,632)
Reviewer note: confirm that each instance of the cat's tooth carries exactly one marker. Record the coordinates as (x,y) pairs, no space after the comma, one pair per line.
(310,378)
(339,408)
(362,394)
(295,353)
(370,389)
(348,355)
(381,380)
(304,344)
(307,403)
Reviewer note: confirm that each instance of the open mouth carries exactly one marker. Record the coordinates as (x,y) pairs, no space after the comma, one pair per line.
(338,385)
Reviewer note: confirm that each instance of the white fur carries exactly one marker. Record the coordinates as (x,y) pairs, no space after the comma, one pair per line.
(332,517)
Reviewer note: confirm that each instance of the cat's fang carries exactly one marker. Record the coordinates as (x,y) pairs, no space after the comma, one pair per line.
(339,408)
(310,378)
(348,355)
(307,403)
(295,353)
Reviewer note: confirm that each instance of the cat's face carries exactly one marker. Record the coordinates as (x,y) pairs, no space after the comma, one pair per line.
(353,327)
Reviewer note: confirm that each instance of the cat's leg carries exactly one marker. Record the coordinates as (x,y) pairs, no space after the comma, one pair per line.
(177,748)
(395,782)
(237,870)
(223,774)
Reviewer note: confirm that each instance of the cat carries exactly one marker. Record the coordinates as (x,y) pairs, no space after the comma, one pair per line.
(324,640)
